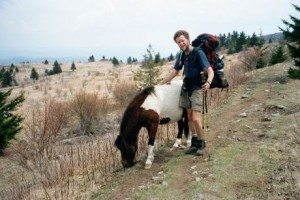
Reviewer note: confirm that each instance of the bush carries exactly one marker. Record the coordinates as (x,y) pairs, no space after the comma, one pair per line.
(89,109)
(43,124)
(124,92)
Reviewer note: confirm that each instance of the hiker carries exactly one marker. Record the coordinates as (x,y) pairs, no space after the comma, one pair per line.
(194,63)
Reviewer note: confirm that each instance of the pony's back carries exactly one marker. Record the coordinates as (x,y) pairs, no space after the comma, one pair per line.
(165,101)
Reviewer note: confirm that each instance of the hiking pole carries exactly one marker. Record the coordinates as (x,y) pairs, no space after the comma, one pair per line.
(204,103)
(206,110)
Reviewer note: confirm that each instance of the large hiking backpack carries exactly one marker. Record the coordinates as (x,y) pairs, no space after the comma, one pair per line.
(209,43)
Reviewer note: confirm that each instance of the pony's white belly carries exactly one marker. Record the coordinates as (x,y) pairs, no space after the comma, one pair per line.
(165,101)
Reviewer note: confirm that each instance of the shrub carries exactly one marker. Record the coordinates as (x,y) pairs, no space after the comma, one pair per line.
(89,109)
(124,92)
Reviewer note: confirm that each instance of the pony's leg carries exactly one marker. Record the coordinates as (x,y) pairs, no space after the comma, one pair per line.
(152,133)
(150,157)
(187,134)
(180,125)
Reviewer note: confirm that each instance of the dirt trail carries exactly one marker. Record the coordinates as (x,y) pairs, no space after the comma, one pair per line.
(254,148)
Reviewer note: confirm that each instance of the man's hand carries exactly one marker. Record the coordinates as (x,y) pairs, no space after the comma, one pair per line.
(206,86)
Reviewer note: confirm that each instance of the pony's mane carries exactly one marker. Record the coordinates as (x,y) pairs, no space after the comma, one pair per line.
(134,106)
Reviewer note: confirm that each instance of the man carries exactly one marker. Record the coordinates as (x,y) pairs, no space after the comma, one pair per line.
(194,62)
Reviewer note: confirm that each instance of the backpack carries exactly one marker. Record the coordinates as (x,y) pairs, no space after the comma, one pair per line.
(209,43)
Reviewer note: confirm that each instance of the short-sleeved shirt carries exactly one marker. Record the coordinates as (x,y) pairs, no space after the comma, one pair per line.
(194,63)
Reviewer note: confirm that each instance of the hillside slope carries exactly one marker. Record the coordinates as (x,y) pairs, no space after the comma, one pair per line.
(253,149)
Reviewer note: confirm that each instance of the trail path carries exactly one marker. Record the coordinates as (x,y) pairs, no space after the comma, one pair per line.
(254,148)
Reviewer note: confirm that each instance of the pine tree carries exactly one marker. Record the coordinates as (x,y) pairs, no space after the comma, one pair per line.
(171,57)
(9,122)
(157,58)
(278,56)
(115,61)
(293,37)
(129,60)
(34,75)
(6,79)
(73,67)
(91,58)
(149,72)
(56,68)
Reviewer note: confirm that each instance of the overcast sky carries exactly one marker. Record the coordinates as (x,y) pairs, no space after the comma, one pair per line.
(123,28)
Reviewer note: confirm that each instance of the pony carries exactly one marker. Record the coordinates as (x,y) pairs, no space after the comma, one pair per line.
(153,106)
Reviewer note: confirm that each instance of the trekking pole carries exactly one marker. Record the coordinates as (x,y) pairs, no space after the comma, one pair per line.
(204,102)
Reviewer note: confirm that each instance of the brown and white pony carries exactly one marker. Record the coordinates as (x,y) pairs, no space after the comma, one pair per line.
(153,106)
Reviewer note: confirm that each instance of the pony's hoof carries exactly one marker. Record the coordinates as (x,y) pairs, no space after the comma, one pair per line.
(148,166)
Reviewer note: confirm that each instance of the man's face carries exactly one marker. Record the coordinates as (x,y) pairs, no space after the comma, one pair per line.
(182,43)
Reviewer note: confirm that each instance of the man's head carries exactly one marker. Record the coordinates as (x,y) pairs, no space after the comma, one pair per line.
(182,39)
(181,32)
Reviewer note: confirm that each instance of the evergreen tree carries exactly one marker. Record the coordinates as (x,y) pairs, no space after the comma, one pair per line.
(9,122)
(171,57)
(46,62)
(91,58)
(73,67)
(6,79)
(129,60)
(115,61)
(240,42)
(157,58)
(149,72)
(34,75)
(278,56)
(293,37)
(56,68)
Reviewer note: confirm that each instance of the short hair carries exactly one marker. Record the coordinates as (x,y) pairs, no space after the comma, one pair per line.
(179,33)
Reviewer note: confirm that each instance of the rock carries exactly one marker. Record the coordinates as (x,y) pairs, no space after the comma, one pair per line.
(275,115)
(160,173)
(245,96)
(243,114)
(200,195)
(193,167)
(197,179)
(164,183)
(280,107)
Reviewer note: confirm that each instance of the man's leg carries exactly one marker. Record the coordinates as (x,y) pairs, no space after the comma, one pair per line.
(198,143)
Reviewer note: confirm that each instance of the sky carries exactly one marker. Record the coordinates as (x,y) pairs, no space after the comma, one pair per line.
(123,28)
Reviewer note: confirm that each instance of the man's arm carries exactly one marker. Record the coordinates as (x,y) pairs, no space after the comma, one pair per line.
(210,73)
(169,77)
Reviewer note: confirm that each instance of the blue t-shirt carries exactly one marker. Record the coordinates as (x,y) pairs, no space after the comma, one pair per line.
(194,63)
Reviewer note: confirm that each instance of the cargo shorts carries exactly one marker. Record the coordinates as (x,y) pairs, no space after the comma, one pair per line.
(193,102)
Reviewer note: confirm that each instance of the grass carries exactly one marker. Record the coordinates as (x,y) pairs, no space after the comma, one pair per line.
(226,174)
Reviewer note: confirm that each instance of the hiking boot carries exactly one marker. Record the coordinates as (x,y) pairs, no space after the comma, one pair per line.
(194,146)
(200,150)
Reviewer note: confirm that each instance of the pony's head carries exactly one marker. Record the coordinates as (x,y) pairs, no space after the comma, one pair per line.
(127,151)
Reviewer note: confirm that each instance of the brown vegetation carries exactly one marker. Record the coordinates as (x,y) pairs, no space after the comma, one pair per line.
(55,163)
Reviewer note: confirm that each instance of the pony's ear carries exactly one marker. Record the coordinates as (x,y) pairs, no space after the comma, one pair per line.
(118,141)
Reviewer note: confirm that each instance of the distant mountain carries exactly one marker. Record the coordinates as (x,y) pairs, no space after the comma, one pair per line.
(274,37)
(21,59)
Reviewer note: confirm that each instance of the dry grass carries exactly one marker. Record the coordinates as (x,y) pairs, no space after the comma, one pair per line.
(57,166)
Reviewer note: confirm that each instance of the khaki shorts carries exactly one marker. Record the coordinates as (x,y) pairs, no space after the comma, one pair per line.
(193,102)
